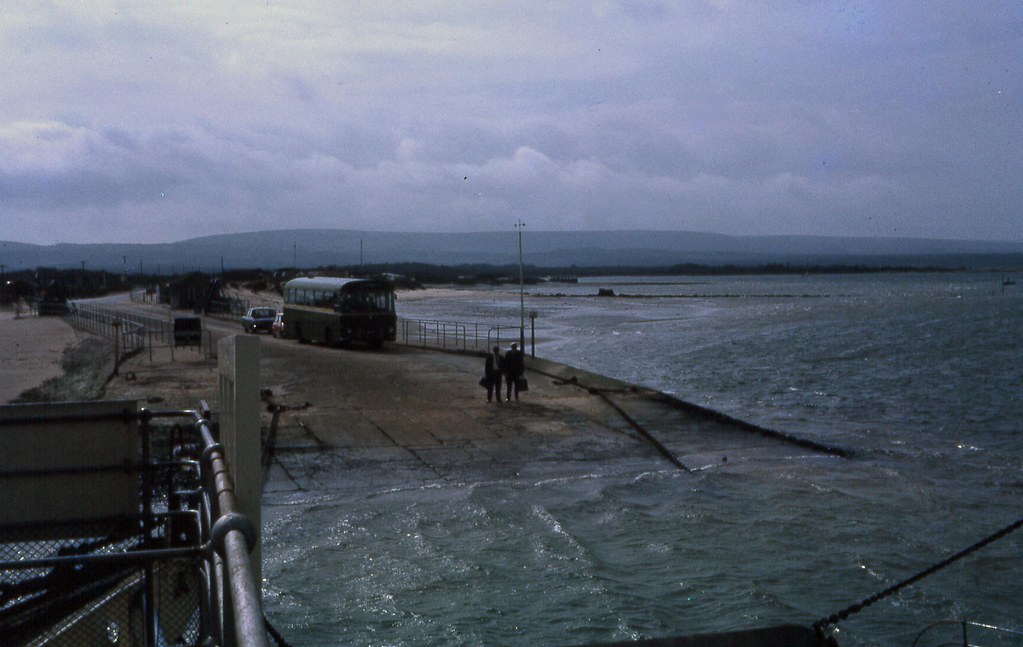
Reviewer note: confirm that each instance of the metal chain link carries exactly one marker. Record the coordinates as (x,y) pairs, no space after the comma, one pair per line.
(824,623)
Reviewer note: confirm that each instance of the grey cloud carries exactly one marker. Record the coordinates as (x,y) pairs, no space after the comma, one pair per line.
(806,117)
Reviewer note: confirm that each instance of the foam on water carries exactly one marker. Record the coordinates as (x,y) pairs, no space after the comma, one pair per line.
(918,374)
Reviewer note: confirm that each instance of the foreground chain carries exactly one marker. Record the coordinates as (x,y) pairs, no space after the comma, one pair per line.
(821,625)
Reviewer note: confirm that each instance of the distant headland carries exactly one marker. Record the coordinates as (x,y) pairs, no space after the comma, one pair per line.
(558,252)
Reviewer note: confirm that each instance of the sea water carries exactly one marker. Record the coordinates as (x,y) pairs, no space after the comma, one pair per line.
(918,375)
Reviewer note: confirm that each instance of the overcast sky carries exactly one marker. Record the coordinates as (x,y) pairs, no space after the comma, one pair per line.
(155,122)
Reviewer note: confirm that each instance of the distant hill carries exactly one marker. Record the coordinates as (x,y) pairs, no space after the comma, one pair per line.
(321,247)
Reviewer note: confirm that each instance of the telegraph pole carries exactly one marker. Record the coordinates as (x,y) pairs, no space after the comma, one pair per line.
(522,294)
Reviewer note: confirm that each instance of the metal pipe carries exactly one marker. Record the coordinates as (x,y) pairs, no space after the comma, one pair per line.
(244,596)
(249,626)
(113,559)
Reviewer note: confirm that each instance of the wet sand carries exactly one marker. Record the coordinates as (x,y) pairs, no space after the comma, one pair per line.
(30,351)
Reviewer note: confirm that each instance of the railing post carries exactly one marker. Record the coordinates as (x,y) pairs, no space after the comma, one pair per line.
(117,346)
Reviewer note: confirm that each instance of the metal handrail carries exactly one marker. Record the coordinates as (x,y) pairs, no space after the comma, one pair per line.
(454,334)
(238,539)
(964,625)
(434,332)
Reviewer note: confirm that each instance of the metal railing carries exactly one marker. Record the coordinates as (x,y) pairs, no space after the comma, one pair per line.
(130,334)
(966,633)
(177,571)
(133,332)
(454,335)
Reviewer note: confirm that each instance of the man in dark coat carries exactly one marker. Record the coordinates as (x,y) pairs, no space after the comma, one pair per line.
(514,365)
(492,374)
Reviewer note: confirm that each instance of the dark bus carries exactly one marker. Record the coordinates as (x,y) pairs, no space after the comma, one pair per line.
(337,311)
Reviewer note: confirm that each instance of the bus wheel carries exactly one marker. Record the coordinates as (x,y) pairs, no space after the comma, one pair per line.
(328,338)
(298,334)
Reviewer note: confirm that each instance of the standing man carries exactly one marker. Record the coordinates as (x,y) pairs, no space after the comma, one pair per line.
(492,373)
(514,365)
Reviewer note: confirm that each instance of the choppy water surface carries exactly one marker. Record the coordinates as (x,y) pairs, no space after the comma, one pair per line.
(920,375)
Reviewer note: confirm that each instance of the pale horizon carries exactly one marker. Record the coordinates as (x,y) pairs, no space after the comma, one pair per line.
(528,233)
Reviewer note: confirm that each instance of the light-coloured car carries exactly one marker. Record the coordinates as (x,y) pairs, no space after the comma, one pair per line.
(257,319)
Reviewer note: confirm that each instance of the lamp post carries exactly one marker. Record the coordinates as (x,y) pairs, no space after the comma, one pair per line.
(522,293)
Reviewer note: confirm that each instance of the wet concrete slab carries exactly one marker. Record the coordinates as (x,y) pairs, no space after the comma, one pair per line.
(362,420)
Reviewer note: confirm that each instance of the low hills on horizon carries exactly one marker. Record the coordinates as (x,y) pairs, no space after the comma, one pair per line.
(547,249)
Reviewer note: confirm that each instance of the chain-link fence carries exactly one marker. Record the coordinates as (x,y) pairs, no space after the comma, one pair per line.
(72,573)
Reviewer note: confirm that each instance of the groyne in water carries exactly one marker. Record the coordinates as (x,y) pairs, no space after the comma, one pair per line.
(676,403)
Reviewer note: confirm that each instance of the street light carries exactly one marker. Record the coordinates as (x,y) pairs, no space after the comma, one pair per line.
(522,293)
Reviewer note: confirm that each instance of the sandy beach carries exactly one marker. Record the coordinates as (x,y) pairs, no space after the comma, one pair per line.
(31,350)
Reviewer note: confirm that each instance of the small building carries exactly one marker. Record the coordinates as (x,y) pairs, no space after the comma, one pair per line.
(190,292)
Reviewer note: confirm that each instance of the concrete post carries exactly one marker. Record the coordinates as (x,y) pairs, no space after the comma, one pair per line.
(240,429)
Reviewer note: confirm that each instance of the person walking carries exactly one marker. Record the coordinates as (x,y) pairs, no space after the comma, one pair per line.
(492,374)
(514,365)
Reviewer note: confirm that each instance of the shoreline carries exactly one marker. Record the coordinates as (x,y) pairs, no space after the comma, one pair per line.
(33,350)
(46,346)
